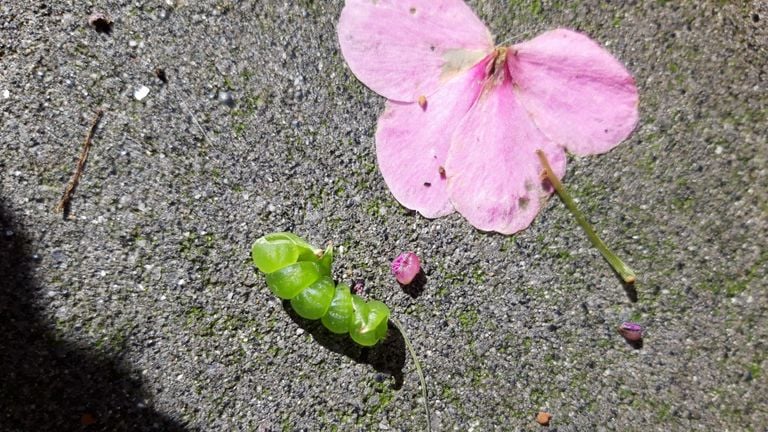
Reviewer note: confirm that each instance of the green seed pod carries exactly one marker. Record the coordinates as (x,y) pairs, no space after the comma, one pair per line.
(301,273)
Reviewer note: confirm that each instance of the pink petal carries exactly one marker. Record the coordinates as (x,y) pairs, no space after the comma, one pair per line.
(494,174)
(406,267)
(412,143)
(406,49)
(577,93)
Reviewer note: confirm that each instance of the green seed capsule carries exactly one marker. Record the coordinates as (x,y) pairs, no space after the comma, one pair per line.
(290,280)
(301,273)
(314,301)
(339,316)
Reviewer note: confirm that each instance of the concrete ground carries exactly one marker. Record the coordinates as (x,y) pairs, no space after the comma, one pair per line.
(141,310)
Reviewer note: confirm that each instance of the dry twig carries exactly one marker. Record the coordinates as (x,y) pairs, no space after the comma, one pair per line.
(69,192)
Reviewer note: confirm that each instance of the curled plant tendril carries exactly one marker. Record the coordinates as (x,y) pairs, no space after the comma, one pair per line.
(301,273)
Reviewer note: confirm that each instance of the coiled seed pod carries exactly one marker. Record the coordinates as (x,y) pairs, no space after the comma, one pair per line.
(301,273)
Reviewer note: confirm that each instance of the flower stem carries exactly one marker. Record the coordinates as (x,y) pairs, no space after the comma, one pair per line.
(418,369)
(618,265)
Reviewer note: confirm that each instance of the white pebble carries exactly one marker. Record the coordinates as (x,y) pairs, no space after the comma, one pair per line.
(141,92)
(6,94)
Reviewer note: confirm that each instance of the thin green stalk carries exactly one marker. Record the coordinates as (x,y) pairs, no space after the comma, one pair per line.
(618,265)
(418,369)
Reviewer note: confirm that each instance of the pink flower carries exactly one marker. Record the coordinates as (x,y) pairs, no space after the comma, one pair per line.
(465,117)
(405,267)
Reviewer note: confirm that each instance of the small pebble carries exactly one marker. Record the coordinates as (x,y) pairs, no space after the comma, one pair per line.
(543,418)
(58,256)
(226,98)
(380,377)
(141,92)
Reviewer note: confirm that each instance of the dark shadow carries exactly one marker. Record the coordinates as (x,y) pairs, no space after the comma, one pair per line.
(417,285)
(388,356)
(101,23)
(638,344)
(46,382)
(629,289)
(161,75)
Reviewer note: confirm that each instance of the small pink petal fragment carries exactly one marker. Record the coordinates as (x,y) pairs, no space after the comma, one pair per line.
(405,267)
(632,332)
(575,91)
(358,287)
(403,49)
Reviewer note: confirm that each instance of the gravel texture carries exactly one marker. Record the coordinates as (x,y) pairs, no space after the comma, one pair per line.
(141,310)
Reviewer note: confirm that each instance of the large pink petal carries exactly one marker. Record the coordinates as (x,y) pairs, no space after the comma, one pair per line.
(412,143)
(577,93)
(494,174)
(405,49)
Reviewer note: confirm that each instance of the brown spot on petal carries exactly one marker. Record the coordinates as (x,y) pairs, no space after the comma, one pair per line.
(412,10)
(423,102)
(523,202)
(441,170)
(529,184)
(427,184)
(546,185)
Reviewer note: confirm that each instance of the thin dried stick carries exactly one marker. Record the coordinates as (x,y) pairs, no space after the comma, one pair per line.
(69,192)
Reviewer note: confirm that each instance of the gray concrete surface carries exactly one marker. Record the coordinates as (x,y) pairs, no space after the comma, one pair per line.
(142,311)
